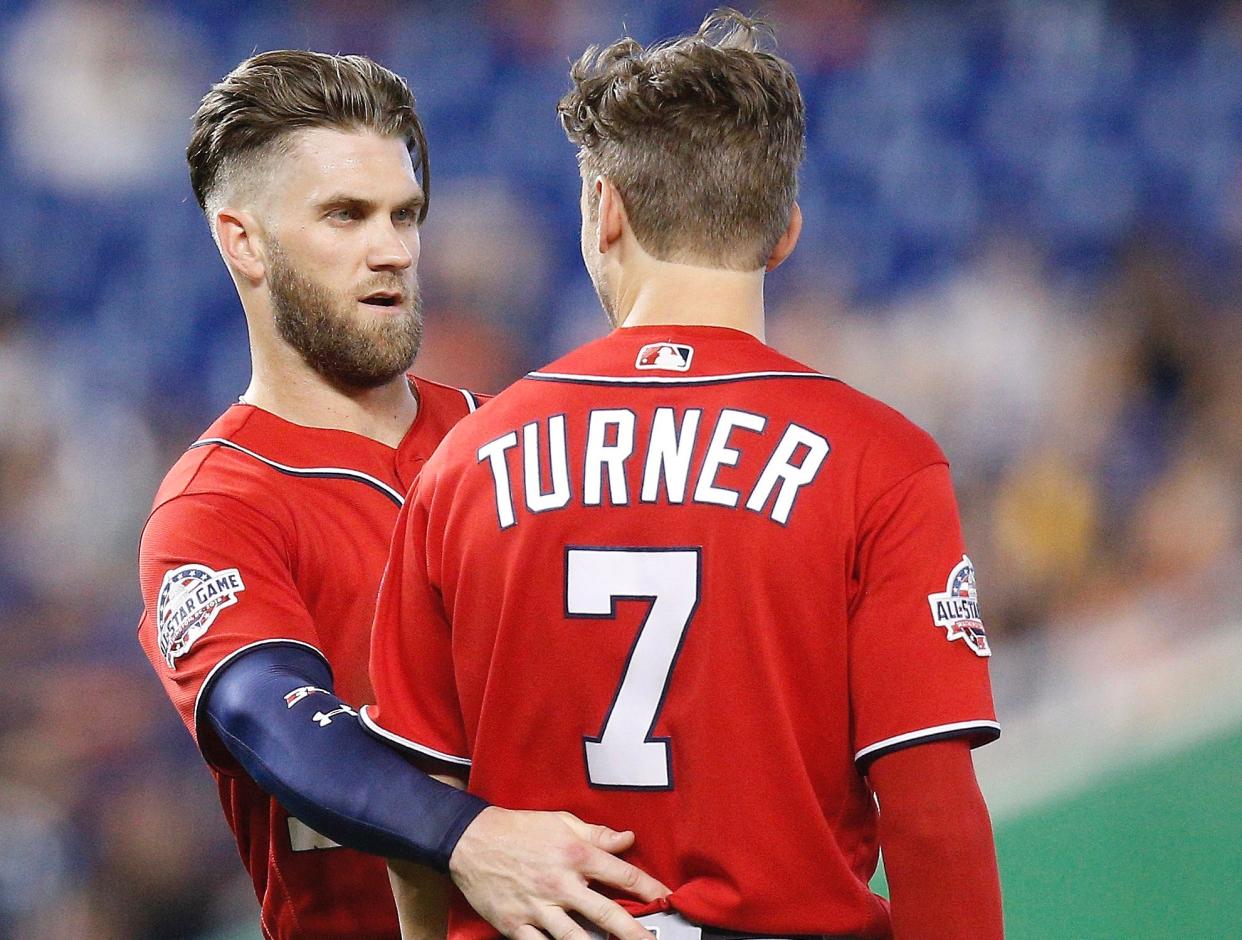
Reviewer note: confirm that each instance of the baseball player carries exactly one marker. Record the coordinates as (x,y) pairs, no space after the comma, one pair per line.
(263,553)
(682,579)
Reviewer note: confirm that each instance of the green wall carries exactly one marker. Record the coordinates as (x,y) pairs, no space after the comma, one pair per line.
(1153,852)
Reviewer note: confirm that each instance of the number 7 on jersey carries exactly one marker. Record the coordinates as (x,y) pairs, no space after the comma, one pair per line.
(625,755)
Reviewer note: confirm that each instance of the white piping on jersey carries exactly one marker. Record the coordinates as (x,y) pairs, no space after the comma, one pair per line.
(672,379)
(926,733)
(237,652)
(369,723)
(308,471)
(471,402)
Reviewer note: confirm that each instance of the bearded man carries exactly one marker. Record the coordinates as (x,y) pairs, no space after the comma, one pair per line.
(263,554)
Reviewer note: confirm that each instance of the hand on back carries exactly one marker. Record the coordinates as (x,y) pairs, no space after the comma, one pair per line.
(526,872)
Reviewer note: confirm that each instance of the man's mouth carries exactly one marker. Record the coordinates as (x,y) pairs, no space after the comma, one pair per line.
(383,298)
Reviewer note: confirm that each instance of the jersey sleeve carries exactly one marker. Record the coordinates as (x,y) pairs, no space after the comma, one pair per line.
(216,579)
(918,666)
(416,705)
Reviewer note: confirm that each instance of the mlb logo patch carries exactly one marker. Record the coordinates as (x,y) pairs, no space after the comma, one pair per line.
(671,357)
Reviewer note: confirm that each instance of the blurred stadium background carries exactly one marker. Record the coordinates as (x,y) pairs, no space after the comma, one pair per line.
(1023,228)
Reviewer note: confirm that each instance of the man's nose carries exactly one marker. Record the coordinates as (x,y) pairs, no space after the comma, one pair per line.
(390,251)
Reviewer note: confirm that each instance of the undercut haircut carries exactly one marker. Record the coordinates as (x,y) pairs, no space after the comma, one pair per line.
(250,115)
(702,136)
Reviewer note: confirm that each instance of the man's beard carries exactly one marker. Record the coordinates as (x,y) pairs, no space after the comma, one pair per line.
(326,333)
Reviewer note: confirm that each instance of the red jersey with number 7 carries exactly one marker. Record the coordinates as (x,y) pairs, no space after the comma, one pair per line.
(678,583)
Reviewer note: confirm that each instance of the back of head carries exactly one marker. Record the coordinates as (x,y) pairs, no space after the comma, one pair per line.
(701,135)
(249,116)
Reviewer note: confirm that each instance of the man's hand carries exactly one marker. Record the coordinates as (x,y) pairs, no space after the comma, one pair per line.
(524,872)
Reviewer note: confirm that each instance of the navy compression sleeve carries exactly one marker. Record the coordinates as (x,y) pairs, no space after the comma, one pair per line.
(274,710)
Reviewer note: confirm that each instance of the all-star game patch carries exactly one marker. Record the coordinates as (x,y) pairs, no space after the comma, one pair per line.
(190,599)
(669,357)
(957,609)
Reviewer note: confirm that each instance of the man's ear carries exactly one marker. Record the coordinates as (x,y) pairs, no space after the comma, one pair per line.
(612,218)
(237,232)
(785,246)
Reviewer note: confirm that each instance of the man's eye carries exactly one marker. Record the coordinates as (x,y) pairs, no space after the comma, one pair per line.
(343,214)
(405,216)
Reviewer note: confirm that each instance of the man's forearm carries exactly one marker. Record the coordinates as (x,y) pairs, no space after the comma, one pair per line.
(936,836)
(275,712)
(422,900)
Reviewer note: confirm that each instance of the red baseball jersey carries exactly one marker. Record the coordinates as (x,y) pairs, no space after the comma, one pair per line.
(270,532)
(679,583)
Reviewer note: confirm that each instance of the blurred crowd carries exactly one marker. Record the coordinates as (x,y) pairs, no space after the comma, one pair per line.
(1023,224)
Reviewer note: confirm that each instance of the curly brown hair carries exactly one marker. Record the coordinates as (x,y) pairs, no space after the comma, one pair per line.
(250,113)
(702,136)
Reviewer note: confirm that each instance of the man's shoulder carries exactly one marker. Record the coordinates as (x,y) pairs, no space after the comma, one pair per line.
(873,419)
(227,459)
(851,413)
(214,495)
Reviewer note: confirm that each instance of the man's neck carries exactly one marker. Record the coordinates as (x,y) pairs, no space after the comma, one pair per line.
(304,397)
(664,292)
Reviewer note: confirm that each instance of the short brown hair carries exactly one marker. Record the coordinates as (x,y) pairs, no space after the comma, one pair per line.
(701,135)
(250,112)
